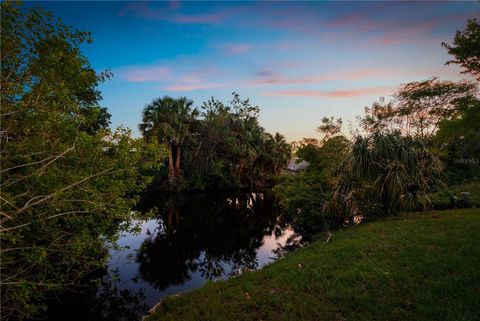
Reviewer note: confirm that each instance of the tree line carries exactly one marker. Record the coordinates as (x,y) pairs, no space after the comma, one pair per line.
(404,154)
(219,146)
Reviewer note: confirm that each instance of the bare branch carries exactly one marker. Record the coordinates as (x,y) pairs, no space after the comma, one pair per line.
(46,198)
(44,219)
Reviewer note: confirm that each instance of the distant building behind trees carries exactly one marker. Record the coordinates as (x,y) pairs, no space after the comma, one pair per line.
(297,165)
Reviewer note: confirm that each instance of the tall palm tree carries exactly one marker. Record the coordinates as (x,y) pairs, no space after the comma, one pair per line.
(168,120)
(283,152)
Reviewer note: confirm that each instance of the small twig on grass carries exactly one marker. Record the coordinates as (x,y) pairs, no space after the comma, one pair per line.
(328,238)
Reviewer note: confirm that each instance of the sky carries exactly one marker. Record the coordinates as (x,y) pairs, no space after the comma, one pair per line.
(298,61)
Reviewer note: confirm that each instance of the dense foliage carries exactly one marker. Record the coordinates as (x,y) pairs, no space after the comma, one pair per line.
(426,135)
(169,122)
(383,173)
(303,195)
(463,195)
(418,108)
(223,146)
(466,48)
(458,139)
(65,176)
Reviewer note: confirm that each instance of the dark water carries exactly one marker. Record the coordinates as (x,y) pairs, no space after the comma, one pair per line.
(185,241)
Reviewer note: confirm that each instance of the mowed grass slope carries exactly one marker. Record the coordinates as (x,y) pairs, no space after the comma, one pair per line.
(418,266)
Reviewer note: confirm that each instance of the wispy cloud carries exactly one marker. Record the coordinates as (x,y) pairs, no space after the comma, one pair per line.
(286,45)
(272,78)
(331,93)
(195,80)
(267,77)
(174,4)
(143,10)
(377,23)
(144,74)
(175,77)
(232,49)
(173,13)
(207,18)
(193,86)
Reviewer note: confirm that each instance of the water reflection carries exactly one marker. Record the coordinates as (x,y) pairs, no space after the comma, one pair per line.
(184,241)
(105,300)
(213,235)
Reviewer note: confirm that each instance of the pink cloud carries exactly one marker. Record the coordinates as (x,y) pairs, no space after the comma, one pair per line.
(143,10)
(277,79)
(290,64)
(173,78)
(331,93)
(384,18)
(208,18)
(268,77)
(232,49)
(190,87)
(144,74)
(286,45)
(388,39)
(175,4)
(344,21)
(171,13)
(195,80)
(413,32)
(360,74)
(382,21)
(442,71)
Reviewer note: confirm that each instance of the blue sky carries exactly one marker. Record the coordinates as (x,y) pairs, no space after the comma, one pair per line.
(298,61)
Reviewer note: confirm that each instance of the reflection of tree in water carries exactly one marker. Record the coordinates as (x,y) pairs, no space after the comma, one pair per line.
(293,242)
(116,304)
(100,302)
(215,235)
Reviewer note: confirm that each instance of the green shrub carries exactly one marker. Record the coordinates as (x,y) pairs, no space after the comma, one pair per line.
(473,199)
(457,196)
(301,198)
(442,200)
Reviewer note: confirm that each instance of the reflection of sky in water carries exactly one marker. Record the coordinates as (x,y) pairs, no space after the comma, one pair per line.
(124,261)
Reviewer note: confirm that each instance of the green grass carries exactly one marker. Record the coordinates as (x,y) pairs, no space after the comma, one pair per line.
(412,267)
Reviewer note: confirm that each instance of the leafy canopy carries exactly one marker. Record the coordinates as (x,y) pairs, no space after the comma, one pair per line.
(466,48)
(65,177)
(417,108)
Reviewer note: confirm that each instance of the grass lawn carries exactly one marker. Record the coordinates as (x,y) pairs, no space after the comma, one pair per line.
(418,266)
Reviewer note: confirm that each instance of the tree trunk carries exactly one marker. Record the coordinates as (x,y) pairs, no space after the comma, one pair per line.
(171,169)
(177,162)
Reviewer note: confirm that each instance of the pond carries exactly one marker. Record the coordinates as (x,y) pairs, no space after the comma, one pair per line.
(185,241)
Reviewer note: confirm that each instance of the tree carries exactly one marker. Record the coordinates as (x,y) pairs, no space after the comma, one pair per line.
(65,177)
(330,127)
(466,48)
(168,121)
(228,148)
(271,155)
(417,108)
(282,152)
(383,173)
(303,195)
(458,138)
